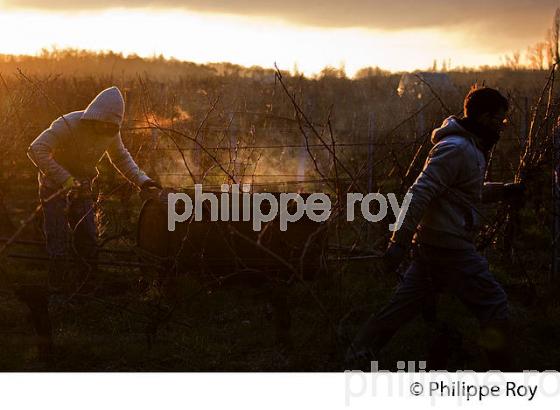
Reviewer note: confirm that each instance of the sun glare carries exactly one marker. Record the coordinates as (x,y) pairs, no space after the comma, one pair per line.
(248,41)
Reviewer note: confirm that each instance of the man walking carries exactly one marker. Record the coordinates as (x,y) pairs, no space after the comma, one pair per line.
(442,221)
(66,155)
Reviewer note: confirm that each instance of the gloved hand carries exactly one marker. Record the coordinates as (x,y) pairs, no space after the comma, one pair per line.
(71,183)
(77,189)
(514,192)
(393,257)
(150,183)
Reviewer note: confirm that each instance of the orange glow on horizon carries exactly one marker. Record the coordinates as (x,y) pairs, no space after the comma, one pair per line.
(248,41)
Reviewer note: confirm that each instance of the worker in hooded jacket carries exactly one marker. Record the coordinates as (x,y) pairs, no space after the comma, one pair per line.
(66,155)
(442,221)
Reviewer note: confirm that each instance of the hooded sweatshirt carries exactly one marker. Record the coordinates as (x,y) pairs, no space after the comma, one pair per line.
(69,148)
(446,195)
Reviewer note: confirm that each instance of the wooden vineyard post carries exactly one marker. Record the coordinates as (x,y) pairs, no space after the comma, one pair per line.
(233,131)
(555,201)
(371,141)
(420,121)
(153,155)
(303,152)
(197,153)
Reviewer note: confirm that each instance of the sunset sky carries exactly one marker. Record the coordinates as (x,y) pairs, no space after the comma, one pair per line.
(394,35)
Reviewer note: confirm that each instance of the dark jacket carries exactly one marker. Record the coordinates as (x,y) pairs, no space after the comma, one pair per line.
(444,209)
(67,149)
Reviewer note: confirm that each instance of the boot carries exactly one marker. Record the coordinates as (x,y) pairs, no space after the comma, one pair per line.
(495,339)
(36,298)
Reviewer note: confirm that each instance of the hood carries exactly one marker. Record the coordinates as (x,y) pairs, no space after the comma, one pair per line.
(450,126)
(107,106)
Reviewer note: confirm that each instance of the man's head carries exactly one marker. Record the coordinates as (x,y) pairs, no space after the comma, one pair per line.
(102,129)
(106,112)
(487,108)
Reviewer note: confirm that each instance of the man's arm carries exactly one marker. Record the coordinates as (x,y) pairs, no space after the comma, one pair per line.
(512,192)
(440,171)
(124,163)
(40,152)
(492,192)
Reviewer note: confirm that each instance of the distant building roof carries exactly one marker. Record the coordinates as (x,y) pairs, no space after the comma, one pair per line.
(416,84)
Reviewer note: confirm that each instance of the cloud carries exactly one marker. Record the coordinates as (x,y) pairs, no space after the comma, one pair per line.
(496,23)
